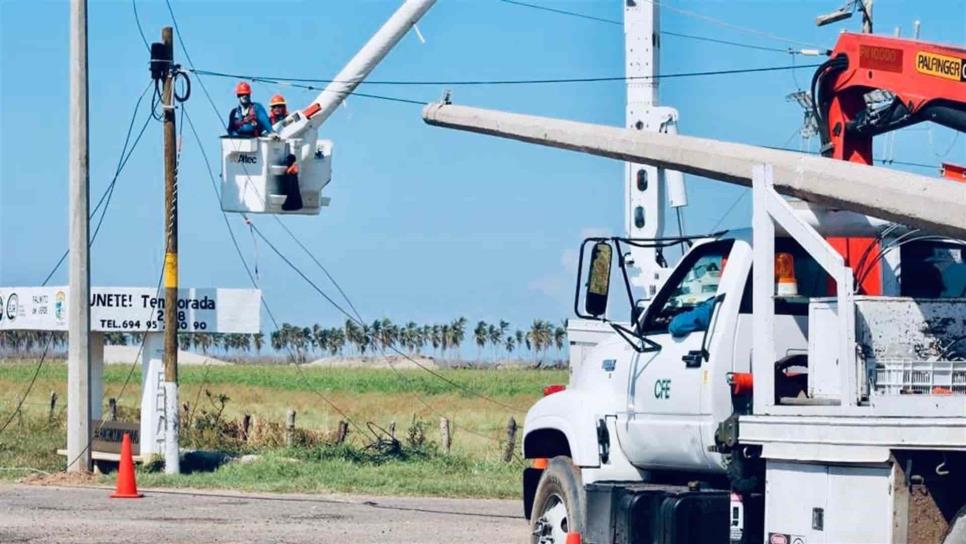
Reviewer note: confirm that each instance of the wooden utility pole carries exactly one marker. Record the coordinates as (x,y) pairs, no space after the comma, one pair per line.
(172,464)
(78,302)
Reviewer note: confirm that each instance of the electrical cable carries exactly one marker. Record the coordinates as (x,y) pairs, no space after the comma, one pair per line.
(109,190)
(127,379)
(352,318)
(725,24)
(105,199)
(137,20)
(361,320)
(895,245)
(29,387)
(880,161)
(547,81)
(144,335)
(321,267)
(663,32)
(248,271)
(563,12)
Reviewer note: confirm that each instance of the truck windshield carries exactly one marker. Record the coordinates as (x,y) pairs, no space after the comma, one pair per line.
(694,281)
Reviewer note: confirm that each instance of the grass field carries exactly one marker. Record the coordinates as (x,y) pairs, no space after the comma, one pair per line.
(478,408)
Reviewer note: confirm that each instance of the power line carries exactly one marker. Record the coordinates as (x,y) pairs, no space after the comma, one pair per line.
(109,190)
(137,20)
(255,229)
(726,24)
(720,41)
(177,29)
(663,32)
(352,318)
(29,387)
(248,271)
(320,265)
(563,12)
(292,81)
(880,161)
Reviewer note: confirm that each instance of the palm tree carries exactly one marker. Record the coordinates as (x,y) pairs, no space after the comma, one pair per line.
(353,334)
(277,340)
(365,338)
(203,341)
(411,336)
(559,337)
(481,337)
(375,334)
(458,330)
(436,336)
(521,339)
(510,344)
(258,340)
(496,338)
(336,341)
(319,337)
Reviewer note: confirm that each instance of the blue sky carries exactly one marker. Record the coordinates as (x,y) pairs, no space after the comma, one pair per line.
(425,224)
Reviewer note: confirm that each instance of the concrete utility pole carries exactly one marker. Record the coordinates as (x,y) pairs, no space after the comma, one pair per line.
(646,186)
(932,204)
(867,16)
(78,303)
(172,462)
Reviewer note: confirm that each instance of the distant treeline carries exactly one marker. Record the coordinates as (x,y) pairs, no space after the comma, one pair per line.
(492,340)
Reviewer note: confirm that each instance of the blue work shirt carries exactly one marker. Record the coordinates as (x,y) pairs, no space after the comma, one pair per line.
(695,319)
(256,123)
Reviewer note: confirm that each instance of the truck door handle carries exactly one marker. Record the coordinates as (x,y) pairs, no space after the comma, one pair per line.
(694,358)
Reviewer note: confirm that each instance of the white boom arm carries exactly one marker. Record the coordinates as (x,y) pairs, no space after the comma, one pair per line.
(308,120)
(932,204)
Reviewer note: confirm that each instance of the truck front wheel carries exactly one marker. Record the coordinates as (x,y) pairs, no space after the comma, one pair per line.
(558,505)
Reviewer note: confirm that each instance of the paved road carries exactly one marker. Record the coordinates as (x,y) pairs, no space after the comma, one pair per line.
(85,515)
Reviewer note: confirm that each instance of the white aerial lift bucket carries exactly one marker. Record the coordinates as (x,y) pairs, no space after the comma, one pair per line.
(253,172)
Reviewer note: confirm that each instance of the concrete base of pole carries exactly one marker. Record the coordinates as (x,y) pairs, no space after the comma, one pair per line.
(172,424)
(152,405)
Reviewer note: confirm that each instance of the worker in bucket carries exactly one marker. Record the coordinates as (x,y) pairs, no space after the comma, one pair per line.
(277,109)
(249,119)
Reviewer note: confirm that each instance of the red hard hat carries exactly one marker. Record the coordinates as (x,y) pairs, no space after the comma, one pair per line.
(243,88)
(277,100)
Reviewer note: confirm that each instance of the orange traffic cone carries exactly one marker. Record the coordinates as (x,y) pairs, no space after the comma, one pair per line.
(573,538)
(126,488)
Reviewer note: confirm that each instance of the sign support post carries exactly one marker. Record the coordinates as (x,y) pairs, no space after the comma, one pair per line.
(78,350)
(172,464)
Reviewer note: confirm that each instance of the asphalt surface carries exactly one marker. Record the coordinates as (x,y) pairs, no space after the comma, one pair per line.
(30,513)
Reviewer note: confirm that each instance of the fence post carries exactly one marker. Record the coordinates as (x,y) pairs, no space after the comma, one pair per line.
(289,427)
(53,406)
(444,435)
(246,426)
(112,408)
(511,439)
(342,433)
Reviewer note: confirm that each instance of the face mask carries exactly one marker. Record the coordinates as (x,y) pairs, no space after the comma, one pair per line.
(244,100)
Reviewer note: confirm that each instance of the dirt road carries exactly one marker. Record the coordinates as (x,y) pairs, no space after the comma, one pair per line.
(85,515)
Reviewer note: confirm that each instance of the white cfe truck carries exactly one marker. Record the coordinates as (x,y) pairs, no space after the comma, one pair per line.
(799,382)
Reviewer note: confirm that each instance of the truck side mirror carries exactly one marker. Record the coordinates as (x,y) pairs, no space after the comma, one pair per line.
(598,281)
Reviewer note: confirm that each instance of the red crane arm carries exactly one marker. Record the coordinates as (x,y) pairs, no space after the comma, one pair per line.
(918,81)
